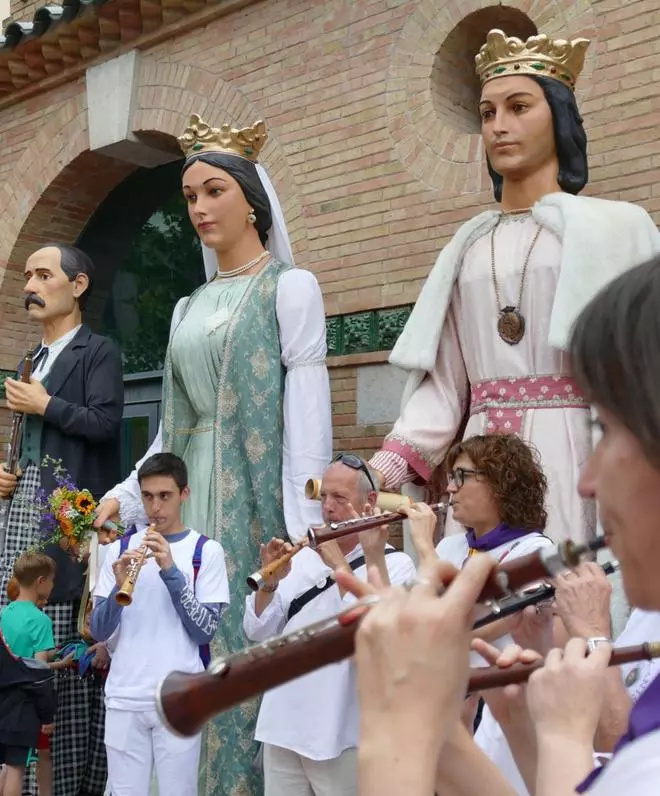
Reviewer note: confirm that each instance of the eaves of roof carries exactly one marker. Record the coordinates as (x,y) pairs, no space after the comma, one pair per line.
(80,31)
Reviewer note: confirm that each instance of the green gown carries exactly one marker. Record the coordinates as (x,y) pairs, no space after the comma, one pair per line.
(223,414)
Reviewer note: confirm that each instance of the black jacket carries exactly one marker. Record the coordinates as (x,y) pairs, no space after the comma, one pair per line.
(82,428)
(27,698)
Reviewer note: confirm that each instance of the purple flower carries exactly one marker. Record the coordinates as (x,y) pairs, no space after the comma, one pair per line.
(48,523)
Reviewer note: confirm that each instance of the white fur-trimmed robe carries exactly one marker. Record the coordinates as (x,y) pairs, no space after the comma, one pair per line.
(450,341)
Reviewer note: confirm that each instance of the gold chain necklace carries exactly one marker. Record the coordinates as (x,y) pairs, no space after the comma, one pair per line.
(511,322)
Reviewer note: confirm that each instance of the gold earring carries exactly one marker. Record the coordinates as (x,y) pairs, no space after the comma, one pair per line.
(251,217)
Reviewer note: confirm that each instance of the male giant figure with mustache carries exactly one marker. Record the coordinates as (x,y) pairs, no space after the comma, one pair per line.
(73,406)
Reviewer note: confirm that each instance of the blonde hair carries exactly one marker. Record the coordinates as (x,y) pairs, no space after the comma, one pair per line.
(32,565)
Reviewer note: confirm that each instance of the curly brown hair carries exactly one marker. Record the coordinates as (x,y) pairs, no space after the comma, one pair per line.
(513,470)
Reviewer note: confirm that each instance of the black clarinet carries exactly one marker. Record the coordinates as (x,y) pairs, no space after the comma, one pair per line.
(543,592)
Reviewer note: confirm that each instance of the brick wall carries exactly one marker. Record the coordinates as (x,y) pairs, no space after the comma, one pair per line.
(24,9)
(373,146)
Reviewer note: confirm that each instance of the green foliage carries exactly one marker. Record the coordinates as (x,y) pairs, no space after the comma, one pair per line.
(166,264)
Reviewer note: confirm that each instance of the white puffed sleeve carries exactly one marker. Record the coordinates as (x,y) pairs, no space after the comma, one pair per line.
(307,410)
(128,492)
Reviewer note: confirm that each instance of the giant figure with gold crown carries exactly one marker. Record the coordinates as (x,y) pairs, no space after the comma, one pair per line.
(246,398)
(485,345)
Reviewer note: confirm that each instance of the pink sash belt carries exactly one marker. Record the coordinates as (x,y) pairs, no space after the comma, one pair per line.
(505,400)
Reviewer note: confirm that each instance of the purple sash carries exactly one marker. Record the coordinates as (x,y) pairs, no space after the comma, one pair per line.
(644,719)
(500,535)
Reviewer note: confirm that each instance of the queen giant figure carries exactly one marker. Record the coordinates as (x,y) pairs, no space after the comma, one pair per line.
(486,344)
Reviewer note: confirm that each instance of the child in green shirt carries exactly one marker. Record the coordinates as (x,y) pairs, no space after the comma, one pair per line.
(28,632)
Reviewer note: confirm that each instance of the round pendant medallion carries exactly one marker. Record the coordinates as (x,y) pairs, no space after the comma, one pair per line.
(511,325)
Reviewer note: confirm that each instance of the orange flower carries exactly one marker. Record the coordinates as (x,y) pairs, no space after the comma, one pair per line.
(66,525)
(85,504)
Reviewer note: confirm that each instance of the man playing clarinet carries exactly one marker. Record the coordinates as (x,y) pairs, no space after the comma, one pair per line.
(72,409)
(309,727)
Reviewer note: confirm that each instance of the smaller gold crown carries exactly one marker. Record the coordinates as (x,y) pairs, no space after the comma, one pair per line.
(503,55)
(199,137)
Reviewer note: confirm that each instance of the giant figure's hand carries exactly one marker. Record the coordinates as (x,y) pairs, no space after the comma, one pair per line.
(7,483)
(30,398)
(106,510)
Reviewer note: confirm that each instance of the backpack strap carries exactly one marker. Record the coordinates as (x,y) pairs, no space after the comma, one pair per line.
(197,556)
(125,538)
(204,649)
(300,602)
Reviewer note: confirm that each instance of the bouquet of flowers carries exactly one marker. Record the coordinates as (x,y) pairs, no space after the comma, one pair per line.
(67,513)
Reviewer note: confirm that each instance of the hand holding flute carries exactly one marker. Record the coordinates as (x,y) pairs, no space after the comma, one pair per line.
(275,565)
(127,569)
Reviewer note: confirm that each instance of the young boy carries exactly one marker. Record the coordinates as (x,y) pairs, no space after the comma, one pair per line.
(177,601)
(28,633)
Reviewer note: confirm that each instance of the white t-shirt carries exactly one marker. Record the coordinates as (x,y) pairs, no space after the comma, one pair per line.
(489,736)
(151,641)
(455,549)
(316,715)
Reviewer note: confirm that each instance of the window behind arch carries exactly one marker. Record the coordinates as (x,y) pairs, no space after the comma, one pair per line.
(147,256)
(164,263)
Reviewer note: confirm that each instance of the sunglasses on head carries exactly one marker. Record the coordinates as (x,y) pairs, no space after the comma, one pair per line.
(355,463)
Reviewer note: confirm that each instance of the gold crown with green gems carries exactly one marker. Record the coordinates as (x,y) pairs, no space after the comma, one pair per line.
(504,55)
(199,137)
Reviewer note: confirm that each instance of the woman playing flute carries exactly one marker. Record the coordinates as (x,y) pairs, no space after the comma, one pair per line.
(497,492)
(411,696)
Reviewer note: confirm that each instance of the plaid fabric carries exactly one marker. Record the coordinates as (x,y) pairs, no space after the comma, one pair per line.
(79,762)
(22,526)
(78,748)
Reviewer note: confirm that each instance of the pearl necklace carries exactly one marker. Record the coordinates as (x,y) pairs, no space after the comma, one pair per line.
(242,268)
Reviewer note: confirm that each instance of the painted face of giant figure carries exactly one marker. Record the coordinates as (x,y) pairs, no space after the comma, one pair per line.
(527,122)
(226,200)
(58,281)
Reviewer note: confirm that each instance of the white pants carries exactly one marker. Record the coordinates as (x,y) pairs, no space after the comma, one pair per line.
(290,774)
(134,741)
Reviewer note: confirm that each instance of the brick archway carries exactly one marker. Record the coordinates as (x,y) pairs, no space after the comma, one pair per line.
(168,93)
(428,93)
(51,196)
(56,186)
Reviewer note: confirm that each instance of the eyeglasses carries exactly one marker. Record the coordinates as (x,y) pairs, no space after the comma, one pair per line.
(457,476)
(355,463)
